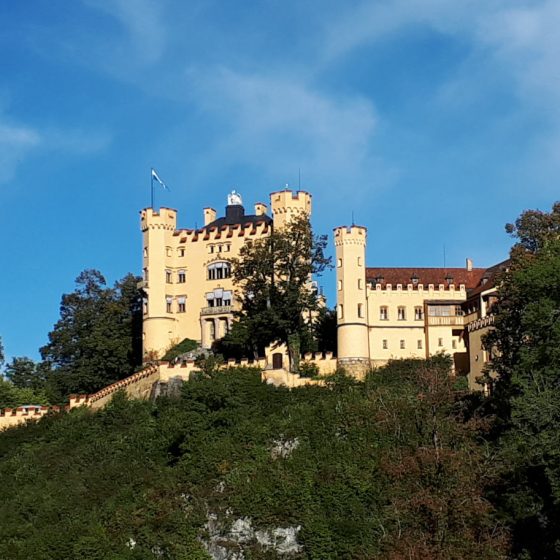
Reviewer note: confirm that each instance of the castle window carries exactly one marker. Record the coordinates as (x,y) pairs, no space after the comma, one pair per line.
(219,248)
(169,304)
(340,284)
(168,276)
(384,313)
(385,344)
(219,298)
(181,277)
(359,283)
(402,345)
(359,261)
(145,251)
(210,248)
(360,310)
(340,311)
(338,263)
(181,304)
(219,270)
(146,274)
(401,313)
(419,344)
(181,251)
(227,247)
(418,313)
(440,342)
(168,251)
(145,305)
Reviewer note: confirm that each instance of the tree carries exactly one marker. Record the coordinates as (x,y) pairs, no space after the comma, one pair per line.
(273,277)
(526,347)
(434,467)
(98,337)
(1,353)
(23,372)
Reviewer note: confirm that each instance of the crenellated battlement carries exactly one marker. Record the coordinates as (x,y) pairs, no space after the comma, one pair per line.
(165,219)
(140,386)
(415,288)
(216,233)
(350,235)
(287,204)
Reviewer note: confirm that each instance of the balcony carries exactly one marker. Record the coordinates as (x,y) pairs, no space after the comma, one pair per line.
(218,310)
(481,323)
(450,321)
(142,285)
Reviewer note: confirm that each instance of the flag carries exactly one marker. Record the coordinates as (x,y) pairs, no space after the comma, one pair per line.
(156,177)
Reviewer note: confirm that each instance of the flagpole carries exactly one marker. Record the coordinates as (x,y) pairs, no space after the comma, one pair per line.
(152,180)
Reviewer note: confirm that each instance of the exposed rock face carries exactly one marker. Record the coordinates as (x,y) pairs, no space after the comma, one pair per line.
(225,543)
(282,448)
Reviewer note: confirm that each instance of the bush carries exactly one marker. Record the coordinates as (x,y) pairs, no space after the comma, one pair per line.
(186,345)
(308,369)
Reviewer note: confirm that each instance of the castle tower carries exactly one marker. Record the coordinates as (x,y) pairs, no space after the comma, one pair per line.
(287,204)
(352,331)
(159,324)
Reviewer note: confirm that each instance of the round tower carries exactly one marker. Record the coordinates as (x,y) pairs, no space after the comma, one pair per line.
(157,237)
(287,204)
(351,308)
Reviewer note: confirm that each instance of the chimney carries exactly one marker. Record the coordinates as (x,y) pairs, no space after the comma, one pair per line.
(469,265)
(209,216)
(260,209)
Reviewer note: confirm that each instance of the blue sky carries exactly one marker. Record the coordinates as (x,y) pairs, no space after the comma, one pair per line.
(434,121)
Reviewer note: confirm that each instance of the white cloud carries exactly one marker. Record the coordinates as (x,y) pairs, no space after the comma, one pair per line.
(20,141)
(279,125)
(143,22)
(16,142)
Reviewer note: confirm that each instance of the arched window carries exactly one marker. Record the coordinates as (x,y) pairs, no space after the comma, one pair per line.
(219,270)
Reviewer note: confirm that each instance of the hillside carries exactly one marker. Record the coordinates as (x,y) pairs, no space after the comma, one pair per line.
(383,468)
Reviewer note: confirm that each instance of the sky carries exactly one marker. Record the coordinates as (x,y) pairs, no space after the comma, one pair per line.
(431,122)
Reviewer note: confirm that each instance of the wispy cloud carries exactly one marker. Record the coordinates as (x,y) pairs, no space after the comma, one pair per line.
(279,125)
(144,41)
(19,142)
(16,142)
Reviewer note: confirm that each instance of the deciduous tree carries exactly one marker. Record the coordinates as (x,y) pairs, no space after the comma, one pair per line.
(526,345)
(97,339)
(273,277)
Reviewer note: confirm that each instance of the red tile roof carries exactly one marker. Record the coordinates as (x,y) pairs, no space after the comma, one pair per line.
(471,279)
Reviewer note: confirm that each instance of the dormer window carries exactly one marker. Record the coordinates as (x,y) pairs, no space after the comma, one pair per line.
(414,280)
(449,279)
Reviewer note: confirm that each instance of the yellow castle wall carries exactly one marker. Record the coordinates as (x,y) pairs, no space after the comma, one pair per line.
(167,249)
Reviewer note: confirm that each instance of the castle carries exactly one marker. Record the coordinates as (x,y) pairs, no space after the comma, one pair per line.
(383,313)
(187,284)
(392,313)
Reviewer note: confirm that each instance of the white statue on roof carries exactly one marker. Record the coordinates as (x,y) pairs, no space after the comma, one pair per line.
(234,199)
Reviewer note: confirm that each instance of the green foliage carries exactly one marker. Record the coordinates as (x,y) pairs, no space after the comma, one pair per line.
(24,372)
(186,345)
(98,337)
(526,399)
(308,369)
(273,275)
(12,396)
(325,328)
(87,485)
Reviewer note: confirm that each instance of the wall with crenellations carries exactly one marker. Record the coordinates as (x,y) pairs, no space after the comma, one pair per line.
(141,384)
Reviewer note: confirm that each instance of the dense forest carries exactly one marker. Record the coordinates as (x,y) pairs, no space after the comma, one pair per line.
(386,468)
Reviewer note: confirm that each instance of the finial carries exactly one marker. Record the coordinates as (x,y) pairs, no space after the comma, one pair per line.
(234,199)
